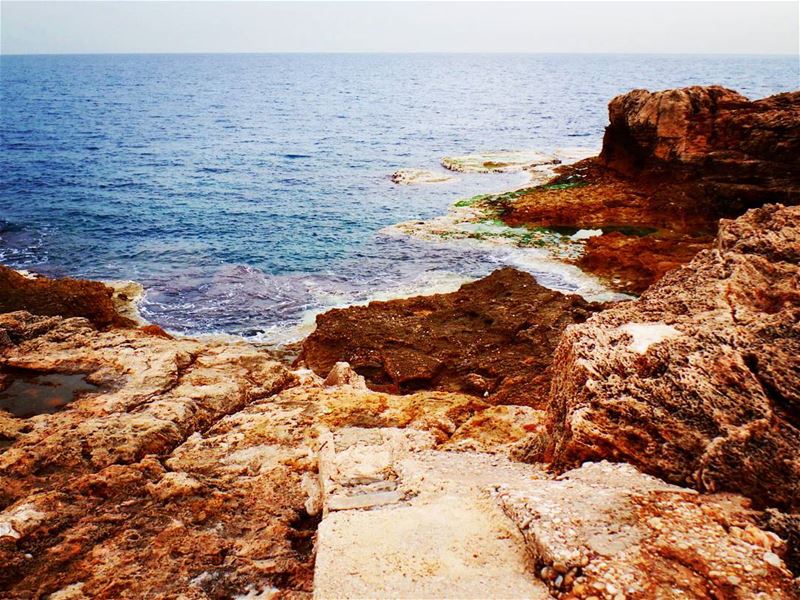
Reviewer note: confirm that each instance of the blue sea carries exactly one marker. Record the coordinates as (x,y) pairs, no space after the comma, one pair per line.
(246,192)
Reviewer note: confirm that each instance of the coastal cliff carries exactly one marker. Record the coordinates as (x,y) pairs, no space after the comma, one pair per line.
(503,440)
(672,164)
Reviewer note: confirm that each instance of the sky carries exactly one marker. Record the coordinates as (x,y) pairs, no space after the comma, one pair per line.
(112,26)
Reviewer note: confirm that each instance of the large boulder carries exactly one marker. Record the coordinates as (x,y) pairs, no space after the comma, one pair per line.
(492,338)
(697,382)
(738,153)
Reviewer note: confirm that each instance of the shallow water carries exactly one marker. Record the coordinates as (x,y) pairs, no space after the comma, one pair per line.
(244,191)
(33,393)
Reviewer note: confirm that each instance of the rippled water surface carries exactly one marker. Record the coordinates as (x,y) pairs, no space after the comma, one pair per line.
(245,190)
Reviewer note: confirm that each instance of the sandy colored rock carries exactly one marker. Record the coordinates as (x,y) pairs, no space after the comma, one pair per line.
(180,474)
(498,428)
(417,522)
(152,394)
(607,531)
(342,374)
(126,296)
(192,469)
(493,338)
(696,382)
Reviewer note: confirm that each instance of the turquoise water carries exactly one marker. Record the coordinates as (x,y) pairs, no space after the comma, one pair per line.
(245,190)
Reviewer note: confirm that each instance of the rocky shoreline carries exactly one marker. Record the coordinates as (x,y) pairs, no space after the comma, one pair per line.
(503,440)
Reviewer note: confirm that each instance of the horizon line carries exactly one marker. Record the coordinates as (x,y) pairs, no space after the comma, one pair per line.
(400,52)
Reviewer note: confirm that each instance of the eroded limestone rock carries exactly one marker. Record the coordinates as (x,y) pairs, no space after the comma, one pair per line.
(607,531)
(181,474)
(697,382)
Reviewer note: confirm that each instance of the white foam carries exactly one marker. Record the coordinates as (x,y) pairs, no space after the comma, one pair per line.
(562,277)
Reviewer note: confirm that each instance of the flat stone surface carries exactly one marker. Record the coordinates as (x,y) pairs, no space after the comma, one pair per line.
(442,538)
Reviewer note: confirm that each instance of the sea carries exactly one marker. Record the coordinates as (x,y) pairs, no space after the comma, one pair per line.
(249,192)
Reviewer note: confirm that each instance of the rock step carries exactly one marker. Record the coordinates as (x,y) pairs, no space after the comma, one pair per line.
(405,520)
(437,533)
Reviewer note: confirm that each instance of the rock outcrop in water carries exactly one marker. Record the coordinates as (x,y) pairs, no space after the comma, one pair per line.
(697,382)
(494,338)
(60,297)
(673,162)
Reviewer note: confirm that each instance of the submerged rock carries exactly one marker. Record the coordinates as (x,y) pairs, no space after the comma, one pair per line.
(418,176)
(498,162)
(538,164)
(697,382)
(493,338)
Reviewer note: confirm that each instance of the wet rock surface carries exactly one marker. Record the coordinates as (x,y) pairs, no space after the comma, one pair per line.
(60,297)
(493,338)
(675,161)
(696,382)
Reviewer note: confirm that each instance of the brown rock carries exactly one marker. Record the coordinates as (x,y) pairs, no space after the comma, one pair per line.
(710,135)
(180,475)
(60,297)
(633,263)
(156,331)
(673,162)
(605,530)
(697,382)
(493,337)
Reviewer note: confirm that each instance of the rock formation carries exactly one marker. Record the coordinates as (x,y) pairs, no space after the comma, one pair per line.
(697,382)
(733,154)
(146,466)
(494,338)
(674,162)
(60,297)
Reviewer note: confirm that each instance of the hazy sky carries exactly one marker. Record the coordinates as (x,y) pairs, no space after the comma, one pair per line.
(223,26)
